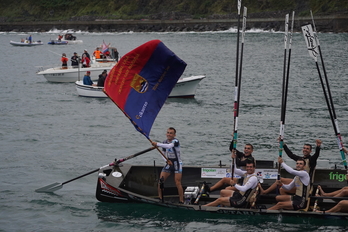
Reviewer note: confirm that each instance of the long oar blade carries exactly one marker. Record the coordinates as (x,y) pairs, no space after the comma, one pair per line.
(56,186)
(49,188)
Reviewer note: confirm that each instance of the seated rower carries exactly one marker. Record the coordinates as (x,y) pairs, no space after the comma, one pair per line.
(238,197)
(341,207)
(343,192)
(311,161)
(302,183)
(241,160)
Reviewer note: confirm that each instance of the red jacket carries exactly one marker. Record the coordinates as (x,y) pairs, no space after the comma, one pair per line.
(85,61)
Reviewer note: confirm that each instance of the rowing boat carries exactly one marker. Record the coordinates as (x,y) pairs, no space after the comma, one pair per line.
(138,183)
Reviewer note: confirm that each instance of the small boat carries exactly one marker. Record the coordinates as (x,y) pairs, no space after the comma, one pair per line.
(184,88)
(71,74)
(57,42)
(26,43)
(71,39)
(132,183)
(89,90)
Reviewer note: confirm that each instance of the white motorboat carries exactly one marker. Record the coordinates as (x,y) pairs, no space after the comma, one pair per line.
(26,43)
(71,74)
(184,88)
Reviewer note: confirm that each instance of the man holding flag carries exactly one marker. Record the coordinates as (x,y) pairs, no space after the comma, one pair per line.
(139,84)
(171,147)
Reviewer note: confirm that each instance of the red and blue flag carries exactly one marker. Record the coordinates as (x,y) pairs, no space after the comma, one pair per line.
(105,48)
(142,80)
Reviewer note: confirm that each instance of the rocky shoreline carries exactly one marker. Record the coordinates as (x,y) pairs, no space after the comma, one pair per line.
(334,23)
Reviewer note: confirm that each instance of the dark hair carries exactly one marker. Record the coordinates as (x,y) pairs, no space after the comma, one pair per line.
(252,147)
(301,159)
(172,128)
(250,161)
(307,144)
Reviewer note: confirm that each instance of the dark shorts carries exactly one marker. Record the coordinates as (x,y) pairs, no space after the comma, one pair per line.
(237,200)
(175,168)
(298,202)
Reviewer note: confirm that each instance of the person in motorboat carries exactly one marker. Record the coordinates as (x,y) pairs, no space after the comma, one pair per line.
(87,79)
(171,147)
(238,197)
(30,39)
(302,183)
(115,52)
(75,60)
(241,161)
(60,37)
(86,53)
(102,78)
(85,61)
(64,61)
(311,161)
(97,53)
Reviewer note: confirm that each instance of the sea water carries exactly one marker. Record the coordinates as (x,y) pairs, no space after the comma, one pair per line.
(49,134)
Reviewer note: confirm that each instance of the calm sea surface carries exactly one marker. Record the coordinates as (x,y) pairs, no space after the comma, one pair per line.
(48,134)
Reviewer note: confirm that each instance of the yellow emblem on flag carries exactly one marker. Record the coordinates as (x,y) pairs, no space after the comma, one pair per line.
(139,83)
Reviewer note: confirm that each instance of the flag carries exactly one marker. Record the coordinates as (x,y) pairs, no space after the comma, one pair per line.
(105,47)
(141,81)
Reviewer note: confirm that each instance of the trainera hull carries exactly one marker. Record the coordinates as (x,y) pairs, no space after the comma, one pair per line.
(127,183)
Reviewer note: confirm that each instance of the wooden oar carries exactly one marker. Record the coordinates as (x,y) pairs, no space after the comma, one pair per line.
(236,95)
(333,114)
(56,186)
(284,97)
(313,46)
(316,200)
(200,193)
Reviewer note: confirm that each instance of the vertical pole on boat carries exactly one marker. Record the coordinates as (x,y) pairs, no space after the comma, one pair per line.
(284,92)
(78,70)
(236,94)
(241,58)
(313,44)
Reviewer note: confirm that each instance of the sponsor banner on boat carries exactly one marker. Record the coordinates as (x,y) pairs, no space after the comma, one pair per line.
(226,172)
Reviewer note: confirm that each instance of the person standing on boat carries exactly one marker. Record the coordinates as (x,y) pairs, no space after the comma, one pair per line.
(86,53)
(97,53)
(87,79)
(302,183)
(102,78)
(311,161)
(85,61)
(238,197)
(241,160)
(75,60)
(171,147)
(64,61)
(115,54)
(30,39)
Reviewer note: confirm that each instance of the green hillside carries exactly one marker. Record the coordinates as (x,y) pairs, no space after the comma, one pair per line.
(52,10)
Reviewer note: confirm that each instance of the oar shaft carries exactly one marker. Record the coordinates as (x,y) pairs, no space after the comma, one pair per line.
(135,155)
(88,173)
